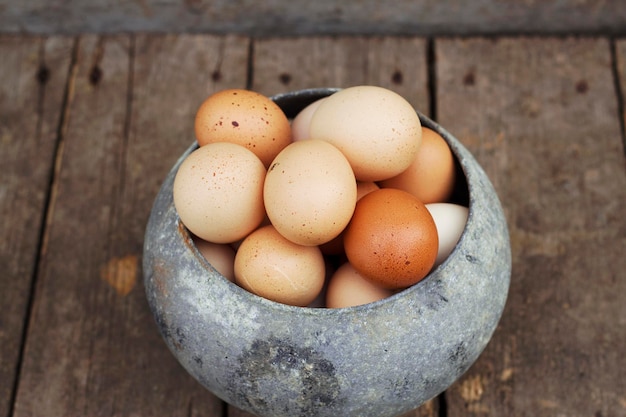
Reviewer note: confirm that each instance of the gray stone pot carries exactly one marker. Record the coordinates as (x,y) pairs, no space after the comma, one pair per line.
(380,359)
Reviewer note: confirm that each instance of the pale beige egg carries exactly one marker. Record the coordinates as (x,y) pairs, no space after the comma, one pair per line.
(310,192)
(221,256)
(218,192)
(275,268)
(348,288)
(301,124)
(377,129)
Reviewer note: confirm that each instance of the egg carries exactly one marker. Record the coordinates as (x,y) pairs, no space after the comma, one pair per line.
(301,124)
(320,300)
(378,130)
(392,238)
(310,192)
(275,268)
(431,175)
(246,118)
(364,188)
(218,192)
(347,288)
(450,220)
(220,256)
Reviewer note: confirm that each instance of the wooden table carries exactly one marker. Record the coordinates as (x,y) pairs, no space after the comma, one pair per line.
(90,125)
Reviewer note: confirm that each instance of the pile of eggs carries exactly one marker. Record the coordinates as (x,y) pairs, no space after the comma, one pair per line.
(346,204)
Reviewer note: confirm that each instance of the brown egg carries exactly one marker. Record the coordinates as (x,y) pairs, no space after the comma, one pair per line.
(275,268)
(347,288)
(392,238)
(431,176)
(246,118)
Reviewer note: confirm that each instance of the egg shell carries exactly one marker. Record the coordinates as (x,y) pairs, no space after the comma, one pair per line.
(310,192)
(392,238)
(301,124)
(246,118)
(221,256)
(275,268)
(377,129)
(348,288)
(431,176)
(218,192)
(320,300)
(450,220)
(364,188)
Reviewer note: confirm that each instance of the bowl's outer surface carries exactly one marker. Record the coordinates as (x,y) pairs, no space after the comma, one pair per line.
(381,359)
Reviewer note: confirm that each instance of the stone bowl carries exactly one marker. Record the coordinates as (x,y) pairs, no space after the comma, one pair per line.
(380,359)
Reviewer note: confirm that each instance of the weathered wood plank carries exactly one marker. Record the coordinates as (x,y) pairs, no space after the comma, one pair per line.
(93,347)
(541,116)
(620,58)
(301,17)
(399,64)
(287,64)
(33,78)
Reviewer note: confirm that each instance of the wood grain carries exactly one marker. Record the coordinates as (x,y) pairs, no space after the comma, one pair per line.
(620,70)
(93,347)
(302,17)
(33,78)
(541,116)
(288,64)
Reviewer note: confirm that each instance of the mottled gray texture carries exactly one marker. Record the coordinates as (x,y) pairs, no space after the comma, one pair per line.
(377,360)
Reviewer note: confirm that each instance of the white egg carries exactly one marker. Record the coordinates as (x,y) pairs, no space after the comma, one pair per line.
(450,220)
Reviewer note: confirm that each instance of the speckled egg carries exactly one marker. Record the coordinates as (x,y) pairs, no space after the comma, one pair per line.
(218,192)
(246,118)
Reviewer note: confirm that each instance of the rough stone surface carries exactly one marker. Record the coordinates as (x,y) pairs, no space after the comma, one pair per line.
(380,359)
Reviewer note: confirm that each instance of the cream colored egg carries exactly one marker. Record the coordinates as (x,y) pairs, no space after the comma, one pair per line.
(310,192)
(218,192)
(275,268)
(348,288)
(450,220)
(378,130)
(300,126)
